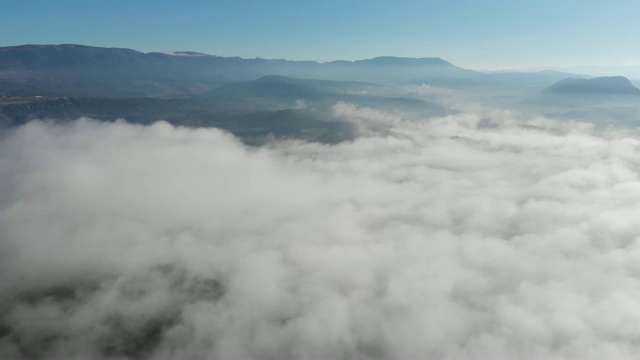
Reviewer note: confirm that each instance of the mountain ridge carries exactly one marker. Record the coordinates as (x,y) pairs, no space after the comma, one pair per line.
(81,70)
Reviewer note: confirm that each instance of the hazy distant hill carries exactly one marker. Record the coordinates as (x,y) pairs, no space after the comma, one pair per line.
(259,98)
(76,70)
(610,85)
(289,92)
(586,93)
(602,100)
(275,106)
(251,124)
(513,80)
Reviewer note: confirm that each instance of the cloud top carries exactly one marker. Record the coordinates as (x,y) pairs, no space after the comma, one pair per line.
(441,239)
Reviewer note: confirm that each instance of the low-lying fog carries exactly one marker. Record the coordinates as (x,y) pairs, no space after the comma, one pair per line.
(494,235)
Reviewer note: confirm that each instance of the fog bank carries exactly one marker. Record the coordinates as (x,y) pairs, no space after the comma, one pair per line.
(443,239)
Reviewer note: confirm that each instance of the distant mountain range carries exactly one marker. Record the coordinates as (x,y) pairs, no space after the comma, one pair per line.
(253,110)
(76,70)
(259,98)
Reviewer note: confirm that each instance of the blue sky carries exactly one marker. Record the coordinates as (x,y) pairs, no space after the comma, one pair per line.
(477,34)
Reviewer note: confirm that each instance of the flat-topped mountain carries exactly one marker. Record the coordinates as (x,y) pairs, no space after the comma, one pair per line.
(610,85)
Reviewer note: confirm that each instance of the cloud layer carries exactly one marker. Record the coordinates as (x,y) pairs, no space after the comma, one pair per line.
(444,239)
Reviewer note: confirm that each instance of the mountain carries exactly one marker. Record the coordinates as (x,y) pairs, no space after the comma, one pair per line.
(252,125)
(77,70)
(601,100)
(609,85)
(259,99)
(255,110)
(281,91)
(512,80)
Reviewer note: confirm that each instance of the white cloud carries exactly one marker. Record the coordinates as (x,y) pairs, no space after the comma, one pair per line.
(367,121)
(439,239)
